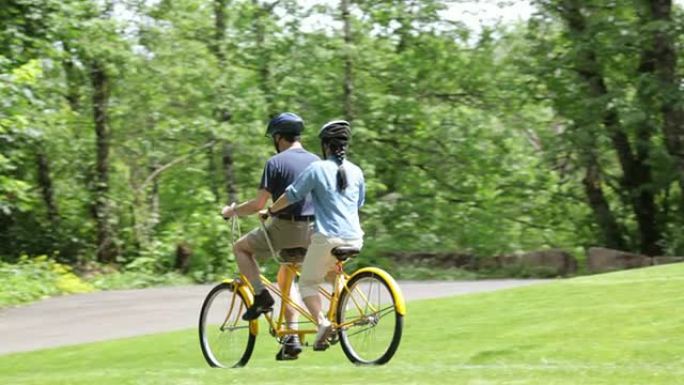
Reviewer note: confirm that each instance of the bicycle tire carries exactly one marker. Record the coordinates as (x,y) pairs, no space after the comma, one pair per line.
(349,346)
(222,347)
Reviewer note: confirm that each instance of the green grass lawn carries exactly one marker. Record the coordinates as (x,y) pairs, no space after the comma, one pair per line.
(620,328)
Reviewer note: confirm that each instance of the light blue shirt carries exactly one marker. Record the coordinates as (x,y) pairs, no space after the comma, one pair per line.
(337,212)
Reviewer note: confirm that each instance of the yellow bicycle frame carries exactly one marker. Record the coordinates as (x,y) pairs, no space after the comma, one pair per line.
(243,286)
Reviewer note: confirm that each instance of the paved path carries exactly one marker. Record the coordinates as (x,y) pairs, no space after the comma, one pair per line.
(107,315)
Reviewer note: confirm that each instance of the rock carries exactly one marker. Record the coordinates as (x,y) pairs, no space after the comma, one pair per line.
(551,262)
(666,260)
(491,263)
(543,263)
(601,259)
(508,261)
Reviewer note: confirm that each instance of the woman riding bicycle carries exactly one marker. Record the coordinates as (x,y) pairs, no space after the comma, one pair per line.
(337,190)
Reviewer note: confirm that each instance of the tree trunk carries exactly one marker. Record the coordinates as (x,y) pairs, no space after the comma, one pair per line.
(229,172)
(221,111)
(348,85)
(153,203)
(661,54)
(263,64)
(219,31)
(211,166)
(106,252)
(183,256)
(72,78)
(45,183)
(636,170)
(610,230)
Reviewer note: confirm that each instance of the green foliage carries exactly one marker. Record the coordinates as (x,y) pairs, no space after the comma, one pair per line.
(419,273)
(476,141)
(15,129)
(132,279)
(35,278)
(31,279)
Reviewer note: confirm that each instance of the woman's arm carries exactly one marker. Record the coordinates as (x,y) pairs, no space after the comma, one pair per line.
(296,191)
(279,204)
(362,192)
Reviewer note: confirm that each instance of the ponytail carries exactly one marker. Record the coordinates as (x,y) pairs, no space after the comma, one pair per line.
(338,149)
(341,173)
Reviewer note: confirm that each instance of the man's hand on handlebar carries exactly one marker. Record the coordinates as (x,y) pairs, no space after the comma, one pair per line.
(228,211)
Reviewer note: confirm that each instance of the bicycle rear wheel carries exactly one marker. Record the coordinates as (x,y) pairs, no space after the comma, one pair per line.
(373,327)
(226,340)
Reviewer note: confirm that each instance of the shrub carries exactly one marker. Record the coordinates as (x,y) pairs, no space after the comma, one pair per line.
(34,278)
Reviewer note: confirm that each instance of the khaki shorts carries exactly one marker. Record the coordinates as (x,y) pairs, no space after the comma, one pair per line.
(284,234)
(319,261)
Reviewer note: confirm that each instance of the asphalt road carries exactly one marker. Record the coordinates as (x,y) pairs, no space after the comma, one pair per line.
(108,315)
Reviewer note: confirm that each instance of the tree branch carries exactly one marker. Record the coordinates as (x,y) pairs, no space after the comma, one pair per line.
(172,163)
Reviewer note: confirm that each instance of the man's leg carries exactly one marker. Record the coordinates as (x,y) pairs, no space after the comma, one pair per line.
(263,302)
(244,255)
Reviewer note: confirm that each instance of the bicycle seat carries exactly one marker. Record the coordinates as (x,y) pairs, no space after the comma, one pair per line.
(294,255)
(342,253)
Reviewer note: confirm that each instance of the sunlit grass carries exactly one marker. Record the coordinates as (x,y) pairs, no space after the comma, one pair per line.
(620,328)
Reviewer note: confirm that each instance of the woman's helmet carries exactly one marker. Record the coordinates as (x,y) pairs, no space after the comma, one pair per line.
(335,136)
(336,129)
(285,123)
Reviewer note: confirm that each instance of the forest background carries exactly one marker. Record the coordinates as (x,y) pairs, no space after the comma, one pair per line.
(125,125)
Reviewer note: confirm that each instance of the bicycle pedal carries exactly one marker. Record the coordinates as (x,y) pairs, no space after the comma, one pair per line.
(321,347)
(280,356)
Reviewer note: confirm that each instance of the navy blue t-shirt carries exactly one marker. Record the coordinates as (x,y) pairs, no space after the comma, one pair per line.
(280,171)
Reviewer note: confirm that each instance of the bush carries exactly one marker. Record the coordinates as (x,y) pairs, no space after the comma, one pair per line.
(141,272)
(35,278)
(136,280)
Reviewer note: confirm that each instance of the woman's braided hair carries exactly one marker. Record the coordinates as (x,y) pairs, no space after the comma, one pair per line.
(336,136)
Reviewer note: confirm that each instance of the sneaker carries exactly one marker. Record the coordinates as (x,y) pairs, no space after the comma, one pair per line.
(263,303)
(290,349)
(325,330)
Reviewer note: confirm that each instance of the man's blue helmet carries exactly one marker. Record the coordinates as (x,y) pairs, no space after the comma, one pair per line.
(285,123)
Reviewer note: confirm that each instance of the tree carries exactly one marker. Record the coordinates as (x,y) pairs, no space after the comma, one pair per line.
(594,104)
(661,92)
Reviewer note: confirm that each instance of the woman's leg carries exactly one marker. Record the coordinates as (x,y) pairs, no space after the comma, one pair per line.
(317,263)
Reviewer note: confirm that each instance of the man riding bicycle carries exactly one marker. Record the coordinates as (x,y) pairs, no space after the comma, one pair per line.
(337,189)
(291,228)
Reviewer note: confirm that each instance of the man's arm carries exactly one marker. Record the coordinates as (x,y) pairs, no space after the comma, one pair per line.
(249,207)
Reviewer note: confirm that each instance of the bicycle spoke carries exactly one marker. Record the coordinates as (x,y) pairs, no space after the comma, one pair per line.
(226,339)
(369,332)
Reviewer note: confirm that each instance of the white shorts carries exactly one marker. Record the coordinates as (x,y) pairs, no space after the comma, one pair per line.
(319,261)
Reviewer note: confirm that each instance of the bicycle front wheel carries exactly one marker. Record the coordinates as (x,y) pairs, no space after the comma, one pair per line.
(371,325)
(226,340)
